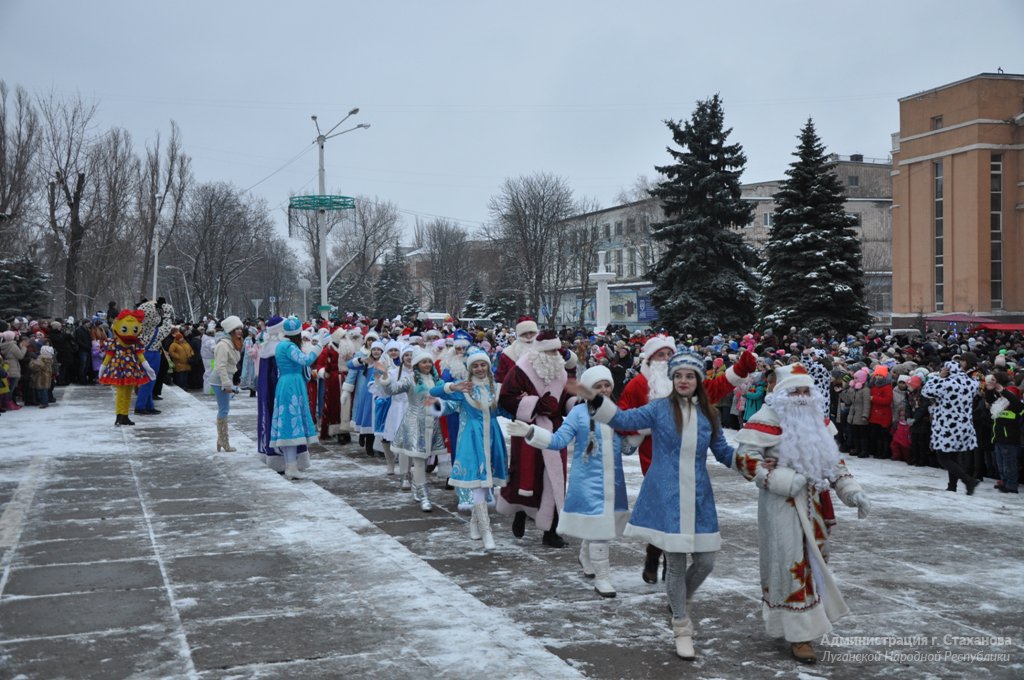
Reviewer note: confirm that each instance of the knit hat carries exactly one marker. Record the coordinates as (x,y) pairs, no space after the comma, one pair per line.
(292,326)
(476,354)
(46,351)
(791,377)
(656,343)
(525,324)
(686,358)
(914,382)
(881,371)
(596,374)
(230,323)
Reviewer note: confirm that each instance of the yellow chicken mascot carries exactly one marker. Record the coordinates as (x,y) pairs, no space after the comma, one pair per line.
(124,365)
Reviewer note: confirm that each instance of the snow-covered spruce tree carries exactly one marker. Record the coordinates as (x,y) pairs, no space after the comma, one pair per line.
(812,276)
(24,288)
(391,291)
(475,307)
(705,280)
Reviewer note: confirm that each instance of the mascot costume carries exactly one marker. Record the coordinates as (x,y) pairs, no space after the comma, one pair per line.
(157,322)
(125,365)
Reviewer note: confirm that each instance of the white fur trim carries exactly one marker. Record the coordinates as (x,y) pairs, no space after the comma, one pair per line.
(540,439)
(349,387)
(730,375)
(547,345)
(526,327)
(606,411)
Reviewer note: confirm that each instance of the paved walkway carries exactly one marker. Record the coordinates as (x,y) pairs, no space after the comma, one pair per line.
(137,552)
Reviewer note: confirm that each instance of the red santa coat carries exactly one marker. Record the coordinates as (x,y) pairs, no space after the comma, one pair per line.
(331,418)
(636,394)
(521,389)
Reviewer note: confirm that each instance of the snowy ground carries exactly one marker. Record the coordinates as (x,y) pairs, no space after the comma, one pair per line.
(139,551)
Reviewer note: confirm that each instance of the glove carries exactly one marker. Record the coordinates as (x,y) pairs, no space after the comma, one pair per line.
(149,370)
(235,389)
(547,406)
(324,335)
(860,499)
(517,428)
(746,365)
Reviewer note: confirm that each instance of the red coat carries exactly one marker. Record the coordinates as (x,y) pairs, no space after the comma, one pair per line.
(520,392)
(328,361)
(881,405)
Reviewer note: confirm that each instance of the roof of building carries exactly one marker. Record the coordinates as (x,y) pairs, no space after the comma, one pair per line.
(991,76)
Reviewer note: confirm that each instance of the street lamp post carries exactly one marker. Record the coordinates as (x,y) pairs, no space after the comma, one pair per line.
(304,286)
(156,243)
(321,138)
(188,295)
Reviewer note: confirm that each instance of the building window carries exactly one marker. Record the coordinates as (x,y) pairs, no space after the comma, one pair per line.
(769,220)
(645,226)
(855,220)
(996,227)
(607,228)
(939,231)
(618,228)
(936,122)
(853,180)
(630,225)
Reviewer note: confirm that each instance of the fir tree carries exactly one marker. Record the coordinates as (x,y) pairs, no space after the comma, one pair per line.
(475,307)
(705,280)
(812,274)
(411,306)
(24,288)
(391,291)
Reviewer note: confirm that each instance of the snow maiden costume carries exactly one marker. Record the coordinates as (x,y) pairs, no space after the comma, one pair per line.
(481,460)
(596,507)
(675,509)
(361,372)
(292,424)
(266,387)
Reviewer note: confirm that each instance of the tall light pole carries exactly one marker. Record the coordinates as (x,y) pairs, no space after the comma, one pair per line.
(321,138)
(156,242)
(188,295)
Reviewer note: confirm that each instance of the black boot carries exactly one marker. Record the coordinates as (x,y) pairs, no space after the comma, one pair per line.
(344,438)
(651,563)
(552,539)
(368,444)
(519,524)
(117,421)
(127,420)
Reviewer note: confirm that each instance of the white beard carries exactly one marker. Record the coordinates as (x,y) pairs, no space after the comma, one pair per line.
(548,367)
(805,444)
(345,349)
(455,364)
(659,385)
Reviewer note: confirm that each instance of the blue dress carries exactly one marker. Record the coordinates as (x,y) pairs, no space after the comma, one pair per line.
(596,506)
(362,412)
(675,509)
(477,465)
(292,423)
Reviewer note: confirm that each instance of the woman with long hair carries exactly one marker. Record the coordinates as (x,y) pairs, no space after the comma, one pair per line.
(292,423)
(390,415)
(675,509)
(419,436)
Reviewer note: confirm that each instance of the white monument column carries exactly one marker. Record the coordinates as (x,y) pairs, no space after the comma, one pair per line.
(603,303)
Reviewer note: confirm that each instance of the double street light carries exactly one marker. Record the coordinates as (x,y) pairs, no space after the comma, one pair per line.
(321,139)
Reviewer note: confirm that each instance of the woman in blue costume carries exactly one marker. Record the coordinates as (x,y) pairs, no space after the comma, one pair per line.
(596,507)
(452,367)
(481,461)
(361,371)
(381,406)
(675,509)
(292,424)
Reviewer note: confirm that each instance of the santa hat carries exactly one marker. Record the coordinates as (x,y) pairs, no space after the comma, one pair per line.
(354,334)
(406,332)
(656,343)
(525,324)
(914,382)
(337,335)
(546,341)
(596,374)
(791,377)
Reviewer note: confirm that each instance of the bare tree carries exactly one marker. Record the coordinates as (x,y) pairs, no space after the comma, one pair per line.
(218,241)
(527,212)
(65,161)
(164,181)
(446,246)
(20,138)
(357,245)
(583,256)
(641,211)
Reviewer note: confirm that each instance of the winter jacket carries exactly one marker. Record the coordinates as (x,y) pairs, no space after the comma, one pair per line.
(860,406)
(225,361)
(881,402)
(42,372)
(899,400)
(181,352)
(83,339)
(13,353)
(1008,414)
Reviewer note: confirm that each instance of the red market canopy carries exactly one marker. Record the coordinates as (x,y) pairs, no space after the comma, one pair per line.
(1002,326)
(958,318)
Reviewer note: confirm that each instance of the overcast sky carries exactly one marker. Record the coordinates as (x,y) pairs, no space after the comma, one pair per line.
(462,94)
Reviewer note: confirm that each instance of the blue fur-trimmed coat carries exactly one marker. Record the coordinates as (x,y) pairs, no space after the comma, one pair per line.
(596,507)
(481,460)
(675,509)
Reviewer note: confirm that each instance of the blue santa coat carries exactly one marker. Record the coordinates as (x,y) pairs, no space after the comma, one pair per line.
(475,466)
(596,507)
(362,374)
(675,509)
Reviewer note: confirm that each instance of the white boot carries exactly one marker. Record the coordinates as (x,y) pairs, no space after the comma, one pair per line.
(484,523)
(584,559)
(683,631)
(474,524)
(389,456)
(291,471)
(425,504)
(599,560)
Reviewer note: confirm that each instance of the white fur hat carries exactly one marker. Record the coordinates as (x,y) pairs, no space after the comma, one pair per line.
(420,354)
(596,374)
(791,376)
(656,343)
(230,323)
